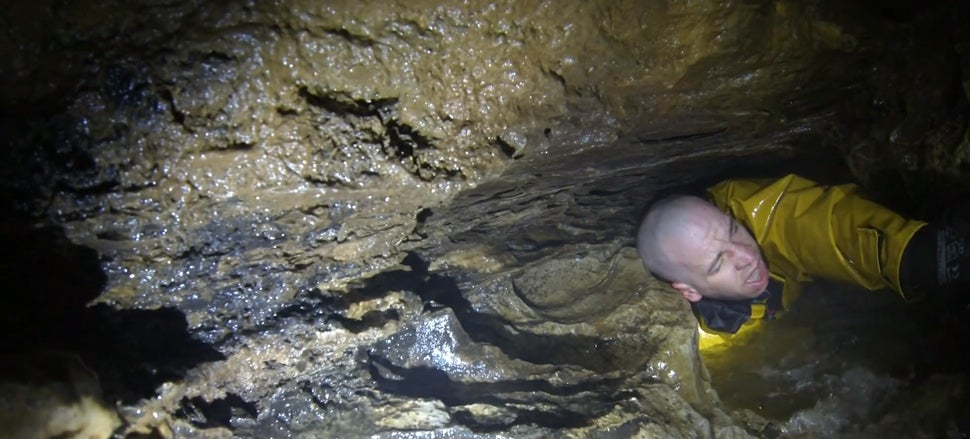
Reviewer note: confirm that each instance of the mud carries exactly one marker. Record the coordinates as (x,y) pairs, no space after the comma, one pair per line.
(346,219)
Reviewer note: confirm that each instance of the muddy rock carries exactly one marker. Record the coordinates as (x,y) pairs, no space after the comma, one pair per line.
(53,394)
(416,219)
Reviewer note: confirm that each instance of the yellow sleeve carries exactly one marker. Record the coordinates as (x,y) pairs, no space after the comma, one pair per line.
(806,229)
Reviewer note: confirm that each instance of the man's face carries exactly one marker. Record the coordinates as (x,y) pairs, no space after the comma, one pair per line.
(717,257)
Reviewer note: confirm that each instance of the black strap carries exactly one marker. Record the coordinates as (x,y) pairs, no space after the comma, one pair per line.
(919,268)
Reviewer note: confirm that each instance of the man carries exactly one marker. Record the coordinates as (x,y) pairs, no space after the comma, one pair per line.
(744,256)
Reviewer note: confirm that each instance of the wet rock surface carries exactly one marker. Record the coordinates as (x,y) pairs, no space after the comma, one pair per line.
(53,394)
(339,219)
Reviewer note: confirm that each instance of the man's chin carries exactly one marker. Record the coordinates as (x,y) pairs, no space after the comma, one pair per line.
(749,293)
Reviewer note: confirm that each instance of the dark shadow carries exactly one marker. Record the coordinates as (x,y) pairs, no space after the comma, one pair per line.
(924,194)
(48,283)
(569,405)
(423,382)
(217,413)
(943,322)
(820,165)
(317,307)
(594,353)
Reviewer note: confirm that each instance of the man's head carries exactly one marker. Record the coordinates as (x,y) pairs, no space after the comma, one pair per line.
(700,250)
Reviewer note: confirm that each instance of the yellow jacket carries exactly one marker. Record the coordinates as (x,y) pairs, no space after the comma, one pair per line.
(808,230)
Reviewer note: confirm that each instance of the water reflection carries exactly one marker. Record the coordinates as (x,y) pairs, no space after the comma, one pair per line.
(844,358)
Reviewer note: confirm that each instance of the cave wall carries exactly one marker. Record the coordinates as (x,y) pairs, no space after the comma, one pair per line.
(193,145)
(305,181)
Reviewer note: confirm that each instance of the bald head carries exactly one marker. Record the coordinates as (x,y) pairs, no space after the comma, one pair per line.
(668,222)
(702,251)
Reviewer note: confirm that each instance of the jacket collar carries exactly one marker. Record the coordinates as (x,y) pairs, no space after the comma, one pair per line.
(729,315)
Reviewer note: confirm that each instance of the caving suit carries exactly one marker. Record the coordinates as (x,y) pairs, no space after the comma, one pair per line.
(807,230)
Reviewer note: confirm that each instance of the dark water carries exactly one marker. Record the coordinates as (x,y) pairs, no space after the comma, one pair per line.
(845,359)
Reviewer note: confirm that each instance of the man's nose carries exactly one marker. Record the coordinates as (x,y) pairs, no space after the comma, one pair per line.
(743,255)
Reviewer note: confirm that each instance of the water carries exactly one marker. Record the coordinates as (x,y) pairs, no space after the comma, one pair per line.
(845,360)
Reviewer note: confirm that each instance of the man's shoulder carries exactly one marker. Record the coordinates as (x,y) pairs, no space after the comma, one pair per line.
(788,180)
(737,189)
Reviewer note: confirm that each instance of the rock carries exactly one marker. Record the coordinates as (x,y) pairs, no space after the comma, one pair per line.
(53,394)
(417,219)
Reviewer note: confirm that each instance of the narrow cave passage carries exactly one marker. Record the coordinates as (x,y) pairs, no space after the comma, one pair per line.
(841,358)
(415,220)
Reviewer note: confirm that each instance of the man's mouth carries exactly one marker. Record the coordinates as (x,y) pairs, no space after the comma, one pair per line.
(758,275)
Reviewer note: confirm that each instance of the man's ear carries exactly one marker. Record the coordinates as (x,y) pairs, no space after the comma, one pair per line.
(688,291)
